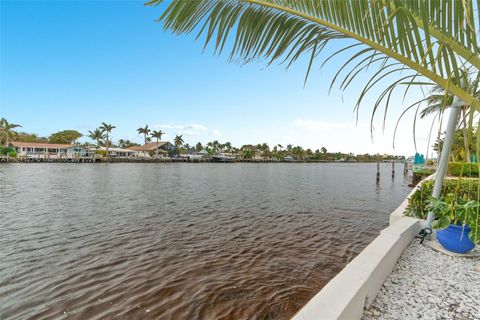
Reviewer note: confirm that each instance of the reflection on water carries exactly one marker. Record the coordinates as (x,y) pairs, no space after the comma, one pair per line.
(182,241)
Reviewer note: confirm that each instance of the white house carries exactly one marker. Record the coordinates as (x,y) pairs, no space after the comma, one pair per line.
(115,152)
(48,150)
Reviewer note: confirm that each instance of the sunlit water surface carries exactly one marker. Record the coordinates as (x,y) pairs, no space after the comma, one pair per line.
(182,241)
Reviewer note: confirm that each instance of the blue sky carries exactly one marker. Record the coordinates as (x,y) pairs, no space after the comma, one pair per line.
(74,64)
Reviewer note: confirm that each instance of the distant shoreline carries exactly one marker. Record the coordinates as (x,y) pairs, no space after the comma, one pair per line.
(172,160)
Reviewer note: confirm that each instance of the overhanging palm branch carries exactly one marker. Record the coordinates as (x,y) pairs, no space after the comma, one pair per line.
(431,39)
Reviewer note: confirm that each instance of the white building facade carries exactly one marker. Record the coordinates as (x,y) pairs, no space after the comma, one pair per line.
(48,150)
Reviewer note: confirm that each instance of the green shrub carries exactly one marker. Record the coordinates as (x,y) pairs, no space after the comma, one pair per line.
(424,172)
(4,151)
(102,153)
(466,189)
(430,163)
(8,151)
(464,169)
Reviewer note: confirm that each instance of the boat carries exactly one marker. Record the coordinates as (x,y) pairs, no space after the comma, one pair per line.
(223,158)
(195,157)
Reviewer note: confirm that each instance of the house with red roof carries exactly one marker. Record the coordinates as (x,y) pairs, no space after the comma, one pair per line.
(149,149)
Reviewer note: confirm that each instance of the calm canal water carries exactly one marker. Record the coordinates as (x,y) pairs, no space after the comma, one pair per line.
(182,241)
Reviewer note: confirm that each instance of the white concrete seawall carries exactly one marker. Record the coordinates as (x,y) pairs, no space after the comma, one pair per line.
(356,286)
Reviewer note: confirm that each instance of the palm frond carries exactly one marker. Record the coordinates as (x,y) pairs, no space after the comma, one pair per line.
(435,39)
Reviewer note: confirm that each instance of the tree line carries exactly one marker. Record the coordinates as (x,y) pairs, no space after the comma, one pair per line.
(101,137)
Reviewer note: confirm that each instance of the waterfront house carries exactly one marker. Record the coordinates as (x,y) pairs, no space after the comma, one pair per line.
(48,150)
(149,149)
(115,152)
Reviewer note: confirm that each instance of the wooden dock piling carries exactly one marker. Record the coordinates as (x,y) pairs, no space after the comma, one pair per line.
(378,172)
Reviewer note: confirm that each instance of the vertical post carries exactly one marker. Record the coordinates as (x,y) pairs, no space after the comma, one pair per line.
(393,169)
(405,167)
(378,172)
(443,162)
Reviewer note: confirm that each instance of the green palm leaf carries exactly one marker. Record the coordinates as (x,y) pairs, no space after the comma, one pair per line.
(432,38)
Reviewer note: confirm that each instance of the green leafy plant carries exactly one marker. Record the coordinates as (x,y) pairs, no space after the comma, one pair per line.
(441,210)
(458,211)
(417,203)
(101,153)
(424,172)
(423,42)
(459,204)
(463,169)
(5,151)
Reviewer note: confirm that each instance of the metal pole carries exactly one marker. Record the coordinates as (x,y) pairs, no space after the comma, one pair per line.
(443,163)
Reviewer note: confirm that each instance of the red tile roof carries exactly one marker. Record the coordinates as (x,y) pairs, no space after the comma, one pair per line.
(41,145)
(149,146)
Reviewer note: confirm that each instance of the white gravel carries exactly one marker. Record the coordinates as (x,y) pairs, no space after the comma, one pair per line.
(426,284)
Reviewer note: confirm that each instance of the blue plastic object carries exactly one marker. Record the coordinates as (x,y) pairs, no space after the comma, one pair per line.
(455,238)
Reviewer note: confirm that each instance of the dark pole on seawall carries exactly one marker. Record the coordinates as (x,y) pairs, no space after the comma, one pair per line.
(378,172)
(393,169)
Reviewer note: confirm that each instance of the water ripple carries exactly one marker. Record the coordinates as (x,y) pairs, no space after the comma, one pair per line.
(181,241)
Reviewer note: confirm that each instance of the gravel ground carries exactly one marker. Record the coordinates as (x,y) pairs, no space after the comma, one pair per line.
(426,284)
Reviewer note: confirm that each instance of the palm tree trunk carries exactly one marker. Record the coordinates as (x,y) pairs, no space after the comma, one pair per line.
(106,148)
(156,149)
(145,143)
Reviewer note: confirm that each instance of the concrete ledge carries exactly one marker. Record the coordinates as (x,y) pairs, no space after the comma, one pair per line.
(357,285)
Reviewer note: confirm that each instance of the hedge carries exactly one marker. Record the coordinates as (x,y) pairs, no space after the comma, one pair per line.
(468,188)
(464,169)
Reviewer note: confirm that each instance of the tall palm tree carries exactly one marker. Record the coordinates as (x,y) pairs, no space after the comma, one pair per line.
(145,131)
(6,131)
(96,135)
(215,146)
(107,128)
(209,147)
(438,99)
(228,146)
(178,141)
(158,135)
(430,38)
(122,143)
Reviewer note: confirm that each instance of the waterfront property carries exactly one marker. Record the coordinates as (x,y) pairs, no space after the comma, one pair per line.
(115,152)
(48,150)
(149,150)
